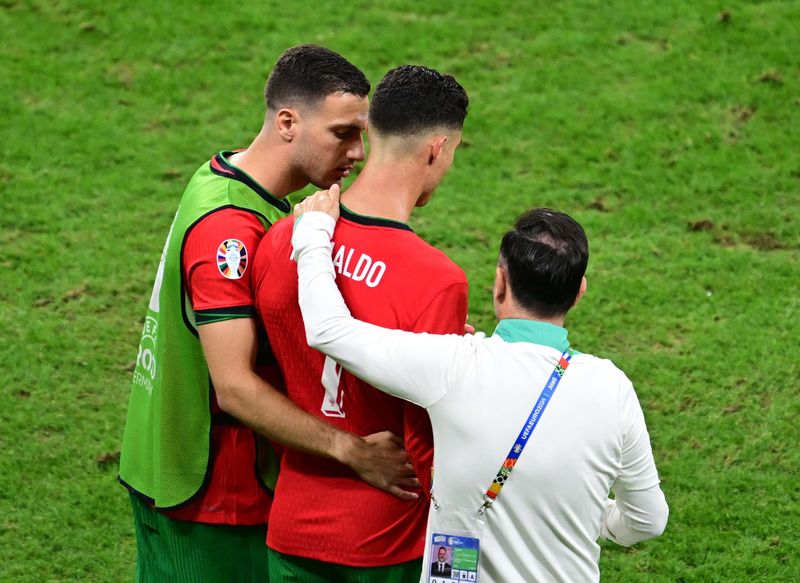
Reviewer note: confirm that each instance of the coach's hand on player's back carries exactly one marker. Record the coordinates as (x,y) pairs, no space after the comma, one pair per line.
(325,201)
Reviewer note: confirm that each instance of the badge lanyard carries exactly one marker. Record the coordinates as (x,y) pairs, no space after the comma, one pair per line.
(456,532)
(527,430)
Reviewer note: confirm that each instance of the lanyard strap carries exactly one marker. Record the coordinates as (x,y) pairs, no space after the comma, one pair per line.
(527,430)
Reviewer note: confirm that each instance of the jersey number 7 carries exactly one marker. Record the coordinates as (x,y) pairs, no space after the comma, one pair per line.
(333,400)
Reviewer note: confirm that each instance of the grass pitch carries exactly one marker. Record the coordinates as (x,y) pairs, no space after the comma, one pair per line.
(668,129)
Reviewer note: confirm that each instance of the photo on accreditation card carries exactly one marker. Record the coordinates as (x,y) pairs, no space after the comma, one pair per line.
(453,559)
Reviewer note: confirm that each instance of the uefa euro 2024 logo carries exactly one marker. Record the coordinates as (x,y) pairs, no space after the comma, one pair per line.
(232,258)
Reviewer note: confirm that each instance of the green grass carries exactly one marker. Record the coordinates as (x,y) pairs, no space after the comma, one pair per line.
(668,129)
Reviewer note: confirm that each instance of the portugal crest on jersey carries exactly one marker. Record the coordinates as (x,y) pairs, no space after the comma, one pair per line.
(232,258)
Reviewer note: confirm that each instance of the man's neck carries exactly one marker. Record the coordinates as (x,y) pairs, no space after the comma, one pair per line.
(267,162)
(517,313)
(389,190)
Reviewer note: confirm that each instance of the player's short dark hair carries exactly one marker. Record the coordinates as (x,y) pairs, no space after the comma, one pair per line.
(545,256)
(308,74)
(413,98)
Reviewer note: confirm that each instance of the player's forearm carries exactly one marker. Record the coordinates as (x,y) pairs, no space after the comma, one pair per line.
(230,347)
(378,459)
(258,405)
(635,516)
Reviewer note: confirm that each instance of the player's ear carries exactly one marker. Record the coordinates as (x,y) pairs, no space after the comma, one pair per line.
(286,120)
(435,148)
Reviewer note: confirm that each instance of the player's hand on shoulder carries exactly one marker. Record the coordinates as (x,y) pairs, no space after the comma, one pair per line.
(325,201)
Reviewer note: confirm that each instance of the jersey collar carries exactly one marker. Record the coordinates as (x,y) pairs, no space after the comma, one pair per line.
(346,213)
(221,167)
(544,333)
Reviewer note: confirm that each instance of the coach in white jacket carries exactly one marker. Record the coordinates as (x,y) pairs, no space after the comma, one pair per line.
(480,391)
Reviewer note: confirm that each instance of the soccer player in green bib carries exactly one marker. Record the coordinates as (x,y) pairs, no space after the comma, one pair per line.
(199,475)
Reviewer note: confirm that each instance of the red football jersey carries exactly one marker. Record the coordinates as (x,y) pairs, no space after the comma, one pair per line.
(233,493)
(390,277)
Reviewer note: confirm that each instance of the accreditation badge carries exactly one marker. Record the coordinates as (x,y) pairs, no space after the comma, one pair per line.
(455,544)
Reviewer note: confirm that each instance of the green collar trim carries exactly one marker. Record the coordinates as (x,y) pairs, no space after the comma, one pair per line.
(221,165)
(518,330)
(346,213)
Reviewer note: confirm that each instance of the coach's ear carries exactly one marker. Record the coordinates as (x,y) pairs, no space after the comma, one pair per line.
(286,121)
(581,291)
(500,290)
(436,144)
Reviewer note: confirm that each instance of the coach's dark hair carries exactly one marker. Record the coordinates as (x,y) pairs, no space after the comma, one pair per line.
(545,256)
(308,74)
(412,98)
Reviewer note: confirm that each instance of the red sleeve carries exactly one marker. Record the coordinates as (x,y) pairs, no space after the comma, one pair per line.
(217,256)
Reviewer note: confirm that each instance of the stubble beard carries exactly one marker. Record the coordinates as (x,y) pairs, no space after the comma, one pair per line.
(311,167)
